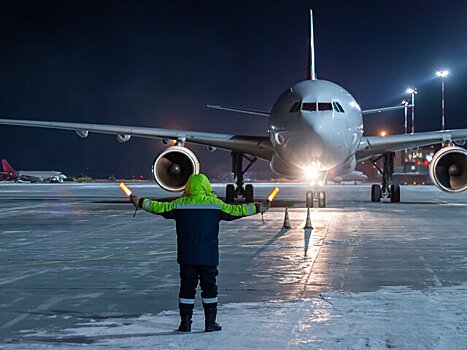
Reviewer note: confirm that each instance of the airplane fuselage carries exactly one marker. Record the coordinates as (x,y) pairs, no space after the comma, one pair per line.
(42,176)
(318,124)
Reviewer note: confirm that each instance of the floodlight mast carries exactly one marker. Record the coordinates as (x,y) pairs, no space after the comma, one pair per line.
(413,92)
(405,103)
(442,74)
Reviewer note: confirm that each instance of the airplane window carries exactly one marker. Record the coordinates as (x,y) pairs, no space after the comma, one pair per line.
(295,107)
(340,107)
(309,106)
(337,107)
(324,106)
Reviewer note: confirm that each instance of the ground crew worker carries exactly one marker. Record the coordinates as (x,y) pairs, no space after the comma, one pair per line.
(197,214)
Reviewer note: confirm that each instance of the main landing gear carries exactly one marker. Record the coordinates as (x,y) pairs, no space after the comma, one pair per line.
(387,189)
(316,195)
(239,189)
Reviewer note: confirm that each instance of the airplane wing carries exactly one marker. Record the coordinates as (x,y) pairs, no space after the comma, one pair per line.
(258,146)
(373,146)
(240,110)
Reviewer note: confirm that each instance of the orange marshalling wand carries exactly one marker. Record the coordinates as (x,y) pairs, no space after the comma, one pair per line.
(273,194)
(125,189)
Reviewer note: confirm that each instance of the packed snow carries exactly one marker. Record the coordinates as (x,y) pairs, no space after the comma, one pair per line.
(392,317)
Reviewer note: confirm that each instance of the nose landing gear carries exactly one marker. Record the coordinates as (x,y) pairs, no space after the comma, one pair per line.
(387,189)
(246,191)
(316,195)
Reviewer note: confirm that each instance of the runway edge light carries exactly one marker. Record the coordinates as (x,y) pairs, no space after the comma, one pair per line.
(273,194)
(125,189)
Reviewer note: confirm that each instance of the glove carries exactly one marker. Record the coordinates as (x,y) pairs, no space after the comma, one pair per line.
(263,206)
(134,199)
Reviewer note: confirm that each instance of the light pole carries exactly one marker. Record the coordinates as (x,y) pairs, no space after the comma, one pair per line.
(413,92)
(442,74)
(405,103)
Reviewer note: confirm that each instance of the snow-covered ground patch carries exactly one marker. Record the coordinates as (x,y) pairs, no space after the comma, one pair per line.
(396,317)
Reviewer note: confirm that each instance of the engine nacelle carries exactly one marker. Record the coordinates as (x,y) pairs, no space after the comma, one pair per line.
(448,169)
(173,167)
(123,138)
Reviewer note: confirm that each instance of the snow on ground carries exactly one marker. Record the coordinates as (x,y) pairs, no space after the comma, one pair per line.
(395,317)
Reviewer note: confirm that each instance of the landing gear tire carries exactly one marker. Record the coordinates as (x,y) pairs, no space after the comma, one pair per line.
(309,199)
(375,193)
(240,189)
(248,194)
(395,193)
(322,199)
(387,190)
(229,193)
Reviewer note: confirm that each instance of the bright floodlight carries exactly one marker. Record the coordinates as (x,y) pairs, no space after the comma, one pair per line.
(383,133)
(411,91)
(311,172)
(442,73)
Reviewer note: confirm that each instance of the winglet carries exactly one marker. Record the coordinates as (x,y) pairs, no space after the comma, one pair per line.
(311,54)
(7,167)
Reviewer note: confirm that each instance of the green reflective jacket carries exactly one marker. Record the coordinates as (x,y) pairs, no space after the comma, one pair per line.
(197,214)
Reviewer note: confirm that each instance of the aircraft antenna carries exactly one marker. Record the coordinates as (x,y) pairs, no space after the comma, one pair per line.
(311,57)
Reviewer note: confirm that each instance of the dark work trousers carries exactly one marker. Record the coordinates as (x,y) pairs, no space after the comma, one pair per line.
(189,276)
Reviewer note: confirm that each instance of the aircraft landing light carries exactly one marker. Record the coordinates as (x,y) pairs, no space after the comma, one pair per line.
(312,173)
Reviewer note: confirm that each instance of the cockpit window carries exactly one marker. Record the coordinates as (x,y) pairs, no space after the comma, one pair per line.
(335,106)
(309,106)
(338,107)
(295,107)
(324,106)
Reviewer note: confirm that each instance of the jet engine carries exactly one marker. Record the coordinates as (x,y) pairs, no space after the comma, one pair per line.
(448,169)
(173,167)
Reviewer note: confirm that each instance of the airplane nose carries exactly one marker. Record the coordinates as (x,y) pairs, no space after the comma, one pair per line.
(316,124)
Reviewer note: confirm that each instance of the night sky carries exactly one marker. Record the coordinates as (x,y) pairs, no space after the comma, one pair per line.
(159,63)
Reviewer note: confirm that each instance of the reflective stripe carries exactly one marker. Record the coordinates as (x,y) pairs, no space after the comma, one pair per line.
(147,204)
(250,209)
(209,300)
(197,206)
(186,301)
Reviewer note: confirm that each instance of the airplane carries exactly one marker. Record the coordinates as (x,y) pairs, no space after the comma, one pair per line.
(7,175)
(10,174)
(315,132)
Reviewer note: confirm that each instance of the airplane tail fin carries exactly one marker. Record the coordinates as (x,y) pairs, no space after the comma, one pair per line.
(311,52)
(7,167)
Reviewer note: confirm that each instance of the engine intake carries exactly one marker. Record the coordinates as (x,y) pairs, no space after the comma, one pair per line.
(448,169)
(173,167)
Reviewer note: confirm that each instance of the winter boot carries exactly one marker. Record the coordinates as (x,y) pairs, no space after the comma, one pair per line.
(210,324)
(185,319)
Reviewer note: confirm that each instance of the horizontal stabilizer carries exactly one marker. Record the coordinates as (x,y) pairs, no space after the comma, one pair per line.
(240,110)
(385,109)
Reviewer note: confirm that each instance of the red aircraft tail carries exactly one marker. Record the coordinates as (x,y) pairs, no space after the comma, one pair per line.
(7,167)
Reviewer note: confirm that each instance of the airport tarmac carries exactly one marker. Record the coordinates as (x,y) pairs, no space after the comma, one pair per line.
(77,270)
